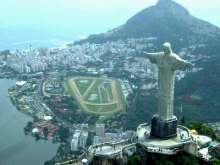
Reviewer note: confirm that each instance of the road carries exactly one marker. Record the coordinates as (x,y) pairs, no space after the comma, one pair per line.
(41,100)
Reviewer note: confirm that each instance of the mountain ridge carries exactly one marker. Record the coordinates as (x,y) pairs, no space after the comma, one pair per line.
(169,14)
(168,21)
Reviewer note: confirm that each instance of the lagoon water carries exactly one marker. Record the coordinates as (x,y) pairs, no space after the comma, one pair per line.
(15,146)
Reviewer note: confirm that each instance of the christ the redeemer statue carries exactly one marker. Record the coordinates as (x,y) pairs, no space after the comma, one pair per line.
(167,63)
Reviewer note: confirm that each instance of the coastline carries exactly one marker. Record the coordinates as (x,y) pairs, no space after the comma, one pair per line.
(53,43)
(14,150)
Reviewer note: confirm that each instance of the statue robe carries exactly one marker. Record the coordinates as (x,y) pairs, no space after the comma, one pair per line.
(167,65)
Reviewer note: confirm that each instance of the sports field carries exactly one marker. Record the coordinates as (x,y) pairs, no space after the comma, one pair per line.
(96,95)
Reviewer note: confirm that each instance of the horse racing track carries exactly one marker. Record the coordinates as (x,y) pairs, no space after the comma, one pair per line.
(96,95)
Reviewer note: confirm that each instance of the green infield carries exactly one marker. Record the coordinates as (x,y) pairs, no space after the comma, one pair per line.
(83,85)
(102,108)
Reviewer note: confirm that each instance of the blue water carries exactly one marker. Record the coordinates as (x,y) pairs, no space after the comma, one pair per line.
(15,146)
(20,38)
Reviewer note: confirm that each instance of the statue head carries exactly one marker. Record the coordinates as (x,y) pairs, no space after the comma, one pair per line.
(167,48)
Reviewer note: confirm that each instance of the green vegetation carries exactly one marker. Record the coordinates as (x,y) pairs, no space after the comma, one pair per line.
(106,91)
(100,88)
(94,91)
(99,108)
(83,86)
(104,117)
(109,91)
(135,159)
(106,94)
(72,94)
(94,108)
(144,107)
(56,74)
(28,128)
(198,95)
(46,131)
(142,157)
(55,91)
(182,158)
(202,129)
(110,107)
(63,133)
(28,111)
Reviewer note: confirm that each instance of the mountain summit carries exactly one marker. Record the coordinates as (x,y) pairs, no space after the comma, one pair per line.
(165,18)
(167,21)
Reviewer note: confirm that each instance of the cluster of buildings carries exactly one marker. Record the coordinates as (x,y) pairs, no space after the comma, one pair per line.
(215,126)
(79,138)
(52,87)
(39,128)
(24,96)
(126,87)
(120,55)
(27,62)
(103,137)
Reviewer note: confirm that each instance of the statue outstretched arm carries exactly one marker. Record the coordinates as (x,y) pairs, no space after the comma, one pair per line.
(189,65)
(180,64)
(143,53)
(153,57)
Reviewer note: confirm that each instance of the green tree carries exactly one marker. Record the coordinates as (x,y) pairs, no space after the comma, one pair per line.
(29,124)
(215,152)
(37,137)
(46,131)
(216,161)
(202,129)
(163,161)
(134,160)
(63,133)
(188,160)
(182,121)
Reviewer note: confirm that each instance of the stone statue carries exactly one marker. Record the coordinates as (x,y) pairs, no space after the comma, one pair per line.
(167,63)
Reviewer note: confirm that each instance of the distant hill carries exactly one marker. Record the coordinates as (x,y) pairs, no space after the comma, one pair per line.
(167,18)
(168,21)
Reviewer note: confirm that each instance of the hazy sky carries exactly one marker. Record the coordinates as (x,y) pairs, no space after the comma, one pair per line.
(95,14)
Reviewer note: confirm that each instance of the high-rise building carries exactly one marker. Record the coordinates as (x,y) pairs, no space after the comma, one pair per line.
(83,139)
(74,145)
(100,129)
(75,141)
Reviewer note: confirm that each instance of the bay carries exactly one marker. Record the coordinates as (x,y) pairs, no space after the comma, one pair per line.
(15,38)
(15,146)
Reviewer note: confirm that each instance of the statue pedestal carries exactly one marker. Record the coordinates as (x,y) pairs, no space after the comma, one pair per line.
(163,129)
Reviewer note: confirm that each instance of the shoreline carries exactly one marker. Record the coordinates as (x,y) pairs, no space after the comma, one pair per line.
(37,43)
(49,44)
(14,122)
(30,133)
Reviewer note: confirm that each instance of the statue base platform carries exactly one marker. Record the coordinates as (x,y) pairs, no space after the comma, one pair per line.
(163,129)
